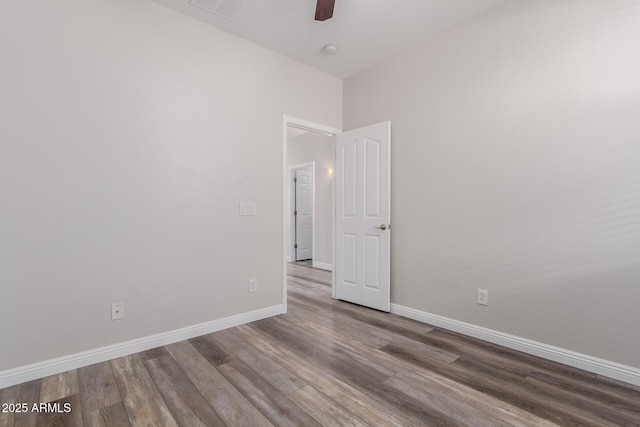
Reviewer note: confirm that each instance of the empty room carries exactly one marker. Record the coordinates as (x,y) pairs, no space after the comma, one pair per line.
(320,212)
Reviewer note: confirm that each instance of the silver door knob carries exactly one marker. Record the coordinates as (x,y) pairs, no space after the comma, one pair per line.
(382,227)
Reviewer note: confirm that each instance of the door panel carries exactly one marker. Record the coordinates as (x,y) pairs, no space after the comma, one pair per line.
(363,211)
(371,261)
(372,178)
(349,171)
(349,243)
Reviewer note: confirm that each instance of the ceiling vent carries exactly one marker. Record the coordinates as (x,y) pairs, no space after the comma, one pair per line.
(223,8)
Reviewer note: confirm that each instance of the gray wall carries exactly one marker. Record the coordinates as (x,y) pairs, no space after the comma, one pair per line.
(316,147)
(516,168)
(129,134)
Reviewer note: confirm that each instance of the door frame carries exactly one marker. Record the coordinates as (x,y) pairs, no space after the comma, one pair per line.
(313,210)
(312,127)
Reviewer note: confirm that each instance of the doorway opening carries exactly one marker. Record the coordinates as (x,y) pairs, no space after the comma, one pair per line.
(308,196)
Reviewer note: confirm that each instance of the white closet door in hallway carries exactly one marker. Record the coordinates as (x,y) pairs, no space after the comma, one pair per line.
(303,214)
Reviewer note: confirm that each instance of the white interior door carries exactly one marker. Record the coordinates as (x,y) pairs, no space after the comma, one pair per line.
(363,211)
(304,214)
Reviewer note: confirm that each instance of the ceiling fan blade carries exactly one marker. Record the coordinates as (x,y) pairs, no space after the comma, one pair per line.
(324,9)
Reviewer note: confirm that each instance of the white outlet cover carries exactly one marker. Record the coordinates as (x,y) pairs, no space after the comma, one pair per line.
(253,285)
(483,297)
(117,311)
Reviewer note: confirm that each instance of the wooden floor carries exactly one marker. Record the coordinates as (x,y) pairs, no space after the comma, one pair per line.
(327,363)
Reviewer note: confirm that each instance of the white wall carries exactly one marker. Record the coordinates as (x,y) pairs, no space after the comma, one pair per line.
(515,159)
(128,135)
(308,147)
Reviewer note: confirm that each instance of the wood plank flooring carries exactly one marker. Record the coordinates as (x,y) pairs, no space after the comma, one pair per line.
(327,363)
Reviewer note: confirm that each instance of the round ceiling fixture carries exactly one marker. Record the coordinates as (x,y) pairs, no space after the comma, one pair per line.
(329,49)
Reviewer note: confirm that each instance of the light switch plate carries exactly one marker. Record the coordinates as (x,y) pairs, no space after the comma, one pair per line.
(247,208)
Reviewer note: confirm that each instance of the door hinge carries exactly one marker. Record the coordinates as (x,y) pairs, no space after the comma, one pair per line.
(295,246)
(295,213)
(295,179)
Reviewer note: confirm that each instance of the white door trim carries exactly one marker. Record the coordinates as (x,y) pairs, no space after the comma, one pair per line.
(313,127)
(313,211)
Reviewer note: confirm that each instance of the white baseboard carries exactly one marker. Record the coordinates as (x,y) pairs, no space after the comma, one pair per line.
(322,265)
(66,363)
(627,374)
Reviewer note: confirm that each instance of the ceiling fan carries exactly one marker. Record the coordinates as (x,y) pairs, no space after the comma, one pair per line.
(324,9)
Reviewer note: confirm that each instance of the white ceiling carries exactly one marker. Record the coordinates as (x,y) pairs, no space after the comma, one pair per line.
(365,31)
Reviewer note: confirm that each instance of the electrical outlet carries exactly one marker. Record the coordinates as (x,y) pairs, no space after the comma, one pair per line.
(117,311)
(483,297)
(253,285)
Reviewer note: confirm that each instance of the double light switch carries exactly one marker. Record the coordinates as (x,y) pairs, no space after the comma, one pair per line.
(247,208)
